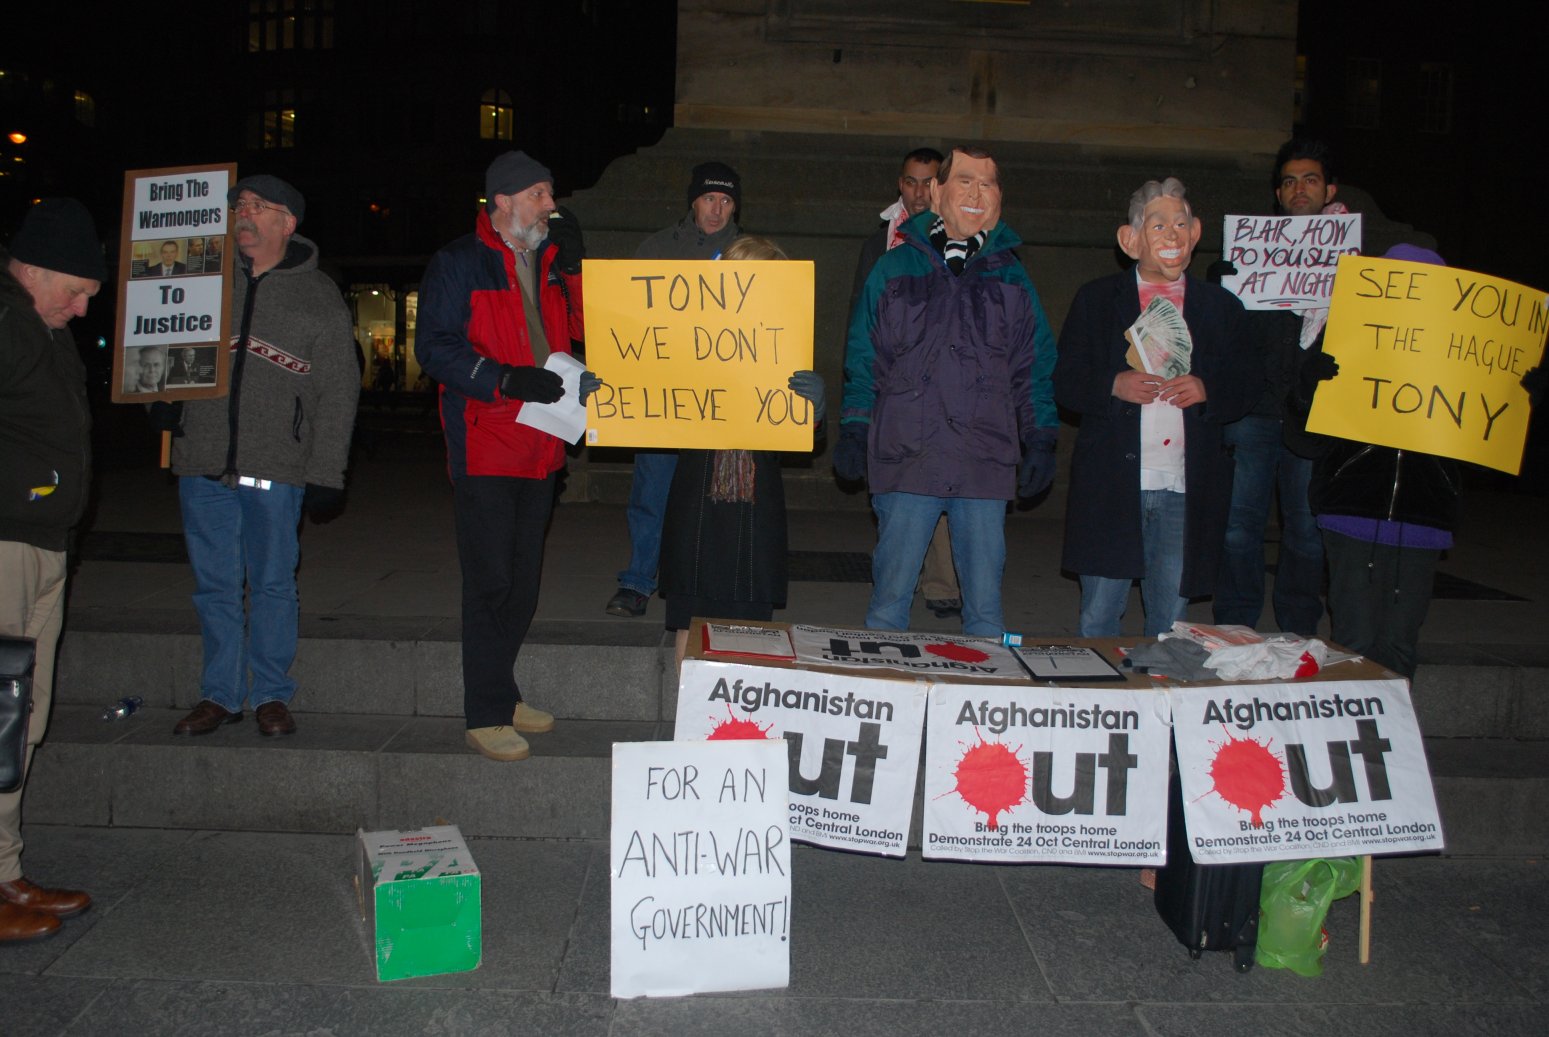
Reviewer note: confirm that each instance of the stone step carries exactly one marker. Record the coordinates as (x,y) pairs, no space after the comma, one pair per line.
(343,771)
(608,670)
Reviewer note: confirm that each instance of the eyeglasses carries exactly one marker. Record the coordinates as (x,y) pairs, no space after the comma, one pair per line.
(239,207)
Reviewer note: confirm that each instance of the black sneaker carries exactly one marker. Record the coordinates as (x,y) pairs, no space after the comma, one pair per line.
(945,608)
(627,603)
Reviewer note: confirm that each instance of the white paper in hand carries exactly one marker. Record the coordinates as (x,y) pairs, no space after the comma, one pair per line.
(565,418)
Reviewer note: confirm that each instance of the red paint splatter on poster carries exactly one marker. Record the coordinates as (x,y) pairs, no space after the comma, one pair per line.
(991,779)
(957,653)
(735,728)
(1247,775)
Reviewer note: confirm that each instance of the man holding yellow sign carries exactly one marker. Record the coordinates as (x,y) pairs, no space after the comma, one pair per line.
(1433,364)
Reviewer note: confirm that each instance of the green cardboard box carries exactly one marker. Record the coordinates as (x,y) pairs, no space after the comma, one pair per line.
(420,897)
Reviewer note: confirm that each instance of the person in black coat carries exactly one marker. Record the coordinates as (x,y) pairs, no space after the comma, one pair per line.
(723,535)
(1150,481)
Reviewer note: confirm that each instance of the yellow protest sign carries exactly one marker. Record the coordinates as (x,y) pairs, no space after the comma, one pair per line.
(697,353)
(1429,359)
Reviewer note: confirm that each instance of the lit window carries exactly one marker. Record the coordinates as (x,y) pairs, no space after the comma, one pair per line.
(85,109)
(289,25)
(495,115)
(274,125)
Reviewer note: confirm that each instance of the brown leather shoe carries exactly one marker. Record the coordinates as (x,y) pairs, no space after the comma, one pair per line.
(206,717)
(18,925)
(274,718)
(61,903)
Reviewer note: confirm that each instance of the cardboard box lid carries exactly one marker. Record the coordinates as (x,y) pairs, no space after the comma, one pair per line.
(419,853)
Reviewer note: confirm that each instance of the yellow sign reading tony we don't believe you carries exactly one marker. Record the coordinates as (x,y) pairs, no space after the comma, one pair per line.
(1430,358)
(698,353)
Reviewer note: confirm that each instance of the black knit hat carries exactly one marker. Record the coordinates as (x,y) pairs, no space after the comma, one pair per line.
(270,189)
(715,176)
(58,234)
(513,173)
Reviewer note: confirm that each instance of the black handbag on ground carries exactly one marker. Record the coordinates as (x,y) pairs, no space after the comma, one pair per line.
(16,659)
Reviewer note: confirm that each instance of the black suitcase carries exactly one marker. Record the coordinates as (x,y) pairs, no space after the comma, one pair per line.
(1209,907)
(16,660)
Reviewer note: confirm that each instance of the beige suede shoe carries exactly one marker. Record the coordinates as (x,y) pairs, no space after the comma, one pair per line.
(533,721)
(498,743)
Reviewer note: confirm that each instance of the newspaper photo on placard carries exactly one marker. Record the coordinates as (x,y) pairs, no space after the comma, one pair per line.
(701,867)
(1275,772)
(174,293)
(924,655)
(854,743)
(1062,775)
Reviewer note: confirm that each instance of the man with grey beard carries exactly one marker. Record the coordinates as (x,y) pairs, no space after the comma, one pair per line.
(493,305)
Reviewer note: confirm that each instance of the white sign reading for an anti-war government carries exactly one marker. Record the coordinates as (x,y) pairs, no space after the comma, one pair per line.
(1065,775)
(1290,771)
(853,743)
(701,868)
(1287,262)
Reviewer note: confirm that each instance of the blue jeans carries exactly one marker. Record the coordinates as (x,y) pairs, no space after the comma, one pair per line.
(1104,598)
(648,491)
(1263,464)
(236,537)
(905,524)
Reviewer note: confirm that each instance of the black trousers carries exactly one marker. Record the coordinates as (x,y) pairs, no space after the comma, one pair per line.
(500,528)
(1378,597)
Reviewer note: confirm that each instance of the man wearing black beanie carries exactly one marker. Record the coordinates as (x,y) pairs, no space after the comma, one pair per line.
(714,195)
(53,269)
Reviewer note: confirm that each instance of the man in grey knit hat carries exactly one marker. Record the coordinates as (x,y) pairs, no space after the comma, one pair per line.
(250,462)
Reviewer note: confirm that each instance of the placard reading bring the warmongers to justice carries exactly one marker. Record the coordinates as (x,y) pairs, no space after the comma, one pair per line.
(174,291)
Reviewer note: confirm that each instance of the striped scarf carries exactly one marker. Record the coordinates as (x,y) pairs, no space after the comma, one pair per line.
(956,253)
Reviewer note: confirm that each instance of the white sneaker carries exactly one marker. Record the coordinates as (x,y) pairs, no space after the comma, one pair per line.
(498,743)
(533,721)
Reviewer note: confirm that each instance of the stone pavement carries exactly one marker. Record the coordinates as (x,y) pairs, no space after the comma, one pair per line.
(223,867)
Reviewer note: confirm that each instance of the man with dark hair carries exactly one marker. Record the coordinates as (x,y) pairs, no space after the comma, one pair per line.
(493,305)
(169,265)
(53,270)
(1272,454)
(714,195)
(938,580)
(250,462)
(948,407)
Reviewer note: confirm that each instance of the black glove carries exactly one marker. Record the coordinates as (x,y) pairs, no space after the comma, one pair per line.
(1219,269)
(850,452)
(565,233)
(809,386)
(590,383)
(1036,472)
(166,417)
(533,384)
(322,502)
(1535,382)
(1316,367)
